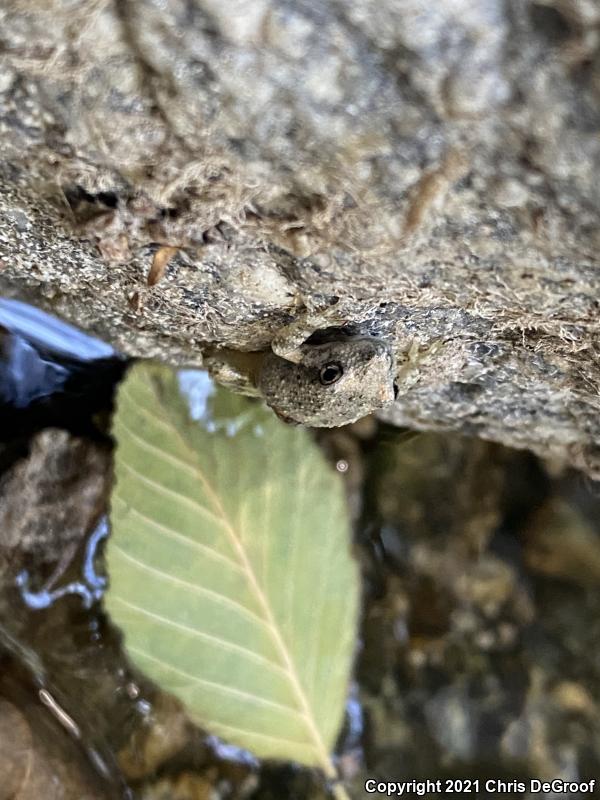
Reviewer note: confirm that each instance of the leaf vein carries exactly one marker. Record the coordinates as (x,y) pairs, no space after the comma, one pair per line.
(216,640)
(235,730)
(145,445)
(172,533)
(172,493)
(248,697)
(194,587)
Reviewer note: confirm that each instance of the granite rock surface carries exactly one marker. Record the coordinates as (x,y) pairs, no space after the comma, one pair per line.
(177,173)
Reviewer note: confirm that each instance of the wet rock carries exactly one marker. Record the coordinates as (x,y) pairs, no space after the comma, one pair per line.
(478,661)
(163,733)
(184,787)
(50,500)
(560,542)
(432,168)
(34,766)
(16,751)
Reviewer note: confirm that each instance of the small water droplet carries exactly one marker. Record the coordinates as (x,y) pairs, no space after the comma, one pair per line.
(144,707)
(133,690)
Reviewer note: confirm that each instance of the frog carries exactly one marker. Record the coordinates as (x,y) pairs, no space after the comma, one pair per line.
(321,379)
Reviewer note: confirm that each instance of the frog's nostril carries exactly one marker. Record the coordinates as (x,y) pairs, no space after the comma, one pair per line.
(396,391)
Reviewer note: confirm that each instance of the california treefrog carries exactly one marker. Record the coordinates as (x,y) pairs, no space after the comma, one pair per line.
(322,385)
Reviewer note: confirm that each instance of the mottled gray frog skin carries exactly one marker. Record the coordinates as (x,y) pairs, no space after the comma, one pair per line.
(329,384)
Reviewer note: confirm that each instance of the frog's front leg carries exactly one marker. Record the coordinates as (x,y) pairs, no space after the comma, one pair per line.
(288,342)
(234,369)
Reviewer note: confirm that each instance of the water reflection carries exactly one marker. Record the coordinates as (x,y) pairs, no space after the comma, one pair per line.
(198,389)
(51,373)
(48,333)
(90,590)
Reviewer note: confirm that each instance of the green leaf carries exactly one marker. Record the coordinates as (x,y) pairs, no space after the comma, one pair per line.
(229,564)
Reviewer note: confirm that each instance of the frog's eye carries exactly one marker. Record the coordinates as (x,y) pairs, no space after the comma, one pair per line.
(330,373)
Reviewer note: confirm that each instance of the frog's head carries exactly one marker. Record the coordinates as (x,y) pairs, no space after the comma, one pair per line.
(332,384)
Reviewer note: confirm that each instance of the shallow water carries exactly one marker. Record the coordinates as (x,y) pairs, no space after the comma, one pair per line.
(479,646)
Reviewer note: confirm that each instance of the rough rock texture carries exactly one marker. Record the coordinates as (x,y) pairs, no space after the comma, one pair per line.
(34,526)
(432,165)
